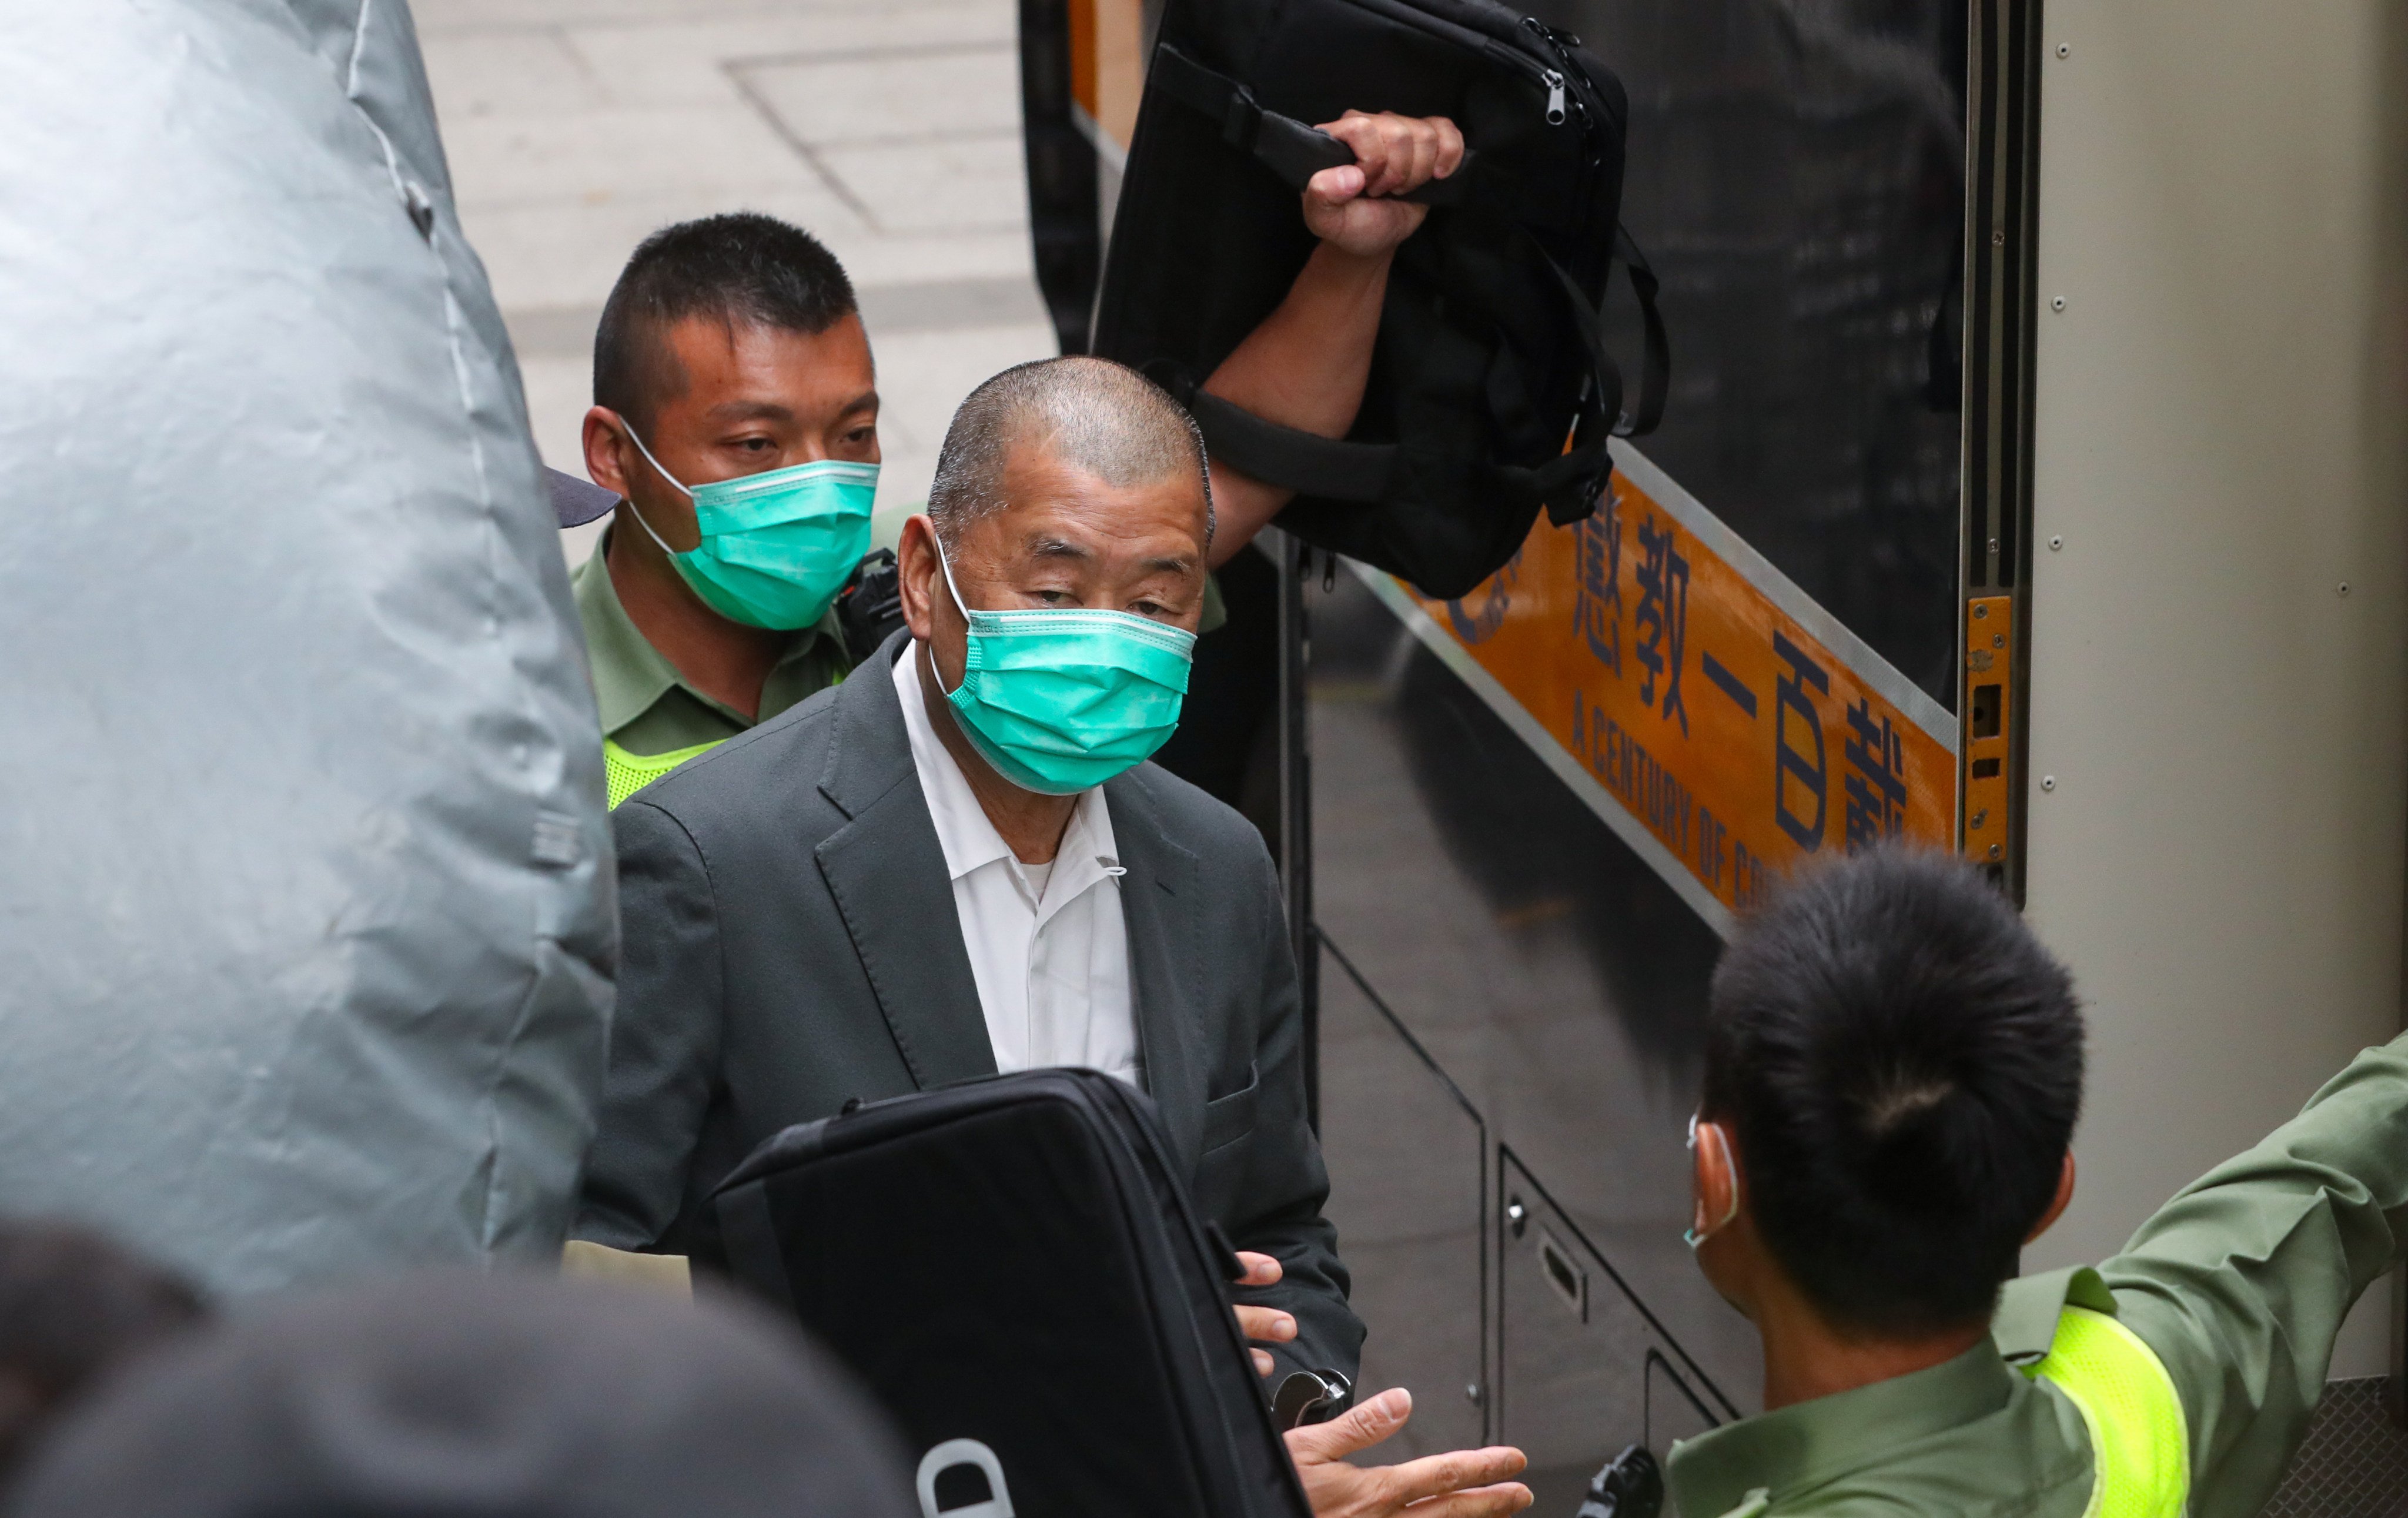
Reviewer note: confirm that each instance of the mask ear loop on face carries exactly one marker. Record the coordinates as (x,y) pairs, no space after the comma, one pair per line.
(947,570)
(673,479)
(1690,1236)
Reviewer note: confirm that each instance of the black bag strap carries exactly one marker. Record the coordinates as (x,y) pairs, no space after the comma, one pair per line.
(750,1235)
(1605,375)
(1336,470)
(1286,146)
(1567,486)
(1303,461)
(1570,485)
(1656,370)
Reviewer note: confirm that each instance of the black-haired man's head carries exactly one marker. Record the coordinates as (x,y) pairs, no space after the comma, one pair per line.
(730,346)
(741,269)
(1900,1064)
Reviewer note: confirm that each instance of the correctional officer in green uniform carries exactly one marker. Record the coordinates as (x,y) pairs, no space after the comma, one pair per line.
(734,430)
(1894,1067)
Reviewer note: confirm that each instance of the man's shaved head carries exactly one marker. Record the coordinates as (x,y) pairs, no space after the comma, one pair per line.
(1110,421)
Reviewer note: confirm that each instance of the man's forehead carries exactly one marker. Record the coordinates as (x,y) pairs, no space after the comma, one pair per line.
(735,363)
(1051,507)
(1035,469)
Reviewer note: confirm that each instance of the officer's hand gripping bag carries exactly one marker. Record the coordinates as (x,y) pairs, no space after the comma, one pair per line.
(1493,389)
(305,911)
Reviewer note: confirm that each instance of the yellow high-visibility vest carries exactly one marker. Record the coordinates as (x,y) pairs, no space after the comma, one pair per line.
(628,773)
(2139,1442)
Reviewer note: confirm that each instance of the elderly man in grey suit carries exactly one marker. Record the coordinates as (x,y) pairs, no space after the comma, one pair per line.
(957,862)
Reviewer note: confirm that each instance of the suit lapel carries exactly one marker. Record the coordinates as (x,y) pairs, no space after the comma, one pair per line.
(886,872)
(1160,935)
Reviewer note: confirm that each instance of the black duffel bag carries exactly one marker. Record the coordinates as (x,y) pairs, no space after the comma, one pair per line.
(1491,391)
(1012,1265)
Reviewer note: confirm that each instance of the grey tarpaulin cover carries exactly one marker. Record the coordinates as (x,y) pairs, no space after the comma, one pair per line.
(305,917)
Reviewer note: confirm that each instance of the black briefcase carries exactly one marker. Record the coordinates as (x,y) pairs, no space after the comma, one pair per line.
(1013,1268)
(1492,391)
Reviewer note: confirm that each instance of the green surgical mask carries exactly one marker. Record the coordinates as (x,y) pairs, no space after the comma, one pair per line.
(1060,700)
(776,546)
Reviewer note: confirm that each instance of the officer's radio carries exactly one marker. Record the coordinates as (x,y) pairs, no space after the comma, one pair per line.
(1632,1485)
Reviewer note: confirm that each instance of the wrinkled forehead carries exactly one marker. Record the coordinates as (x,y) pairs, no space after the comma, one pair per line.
(1045,498)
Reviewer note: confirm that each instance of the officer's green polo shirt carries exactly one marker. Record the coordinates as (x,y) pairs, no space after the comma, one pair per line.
(2239,1284)
(648,707)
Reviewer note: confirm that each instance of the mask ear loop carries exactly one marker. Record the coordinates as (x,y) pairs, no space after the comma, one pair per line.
(638,441)
(947,570)
(1690,1236)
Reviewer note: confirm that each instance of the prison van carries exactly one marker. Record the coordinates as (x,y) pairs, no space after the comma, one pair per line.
(2029,487)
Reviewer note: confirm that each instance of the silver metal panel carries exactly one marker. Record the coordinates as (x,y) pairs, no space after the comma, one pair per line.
(2219,598)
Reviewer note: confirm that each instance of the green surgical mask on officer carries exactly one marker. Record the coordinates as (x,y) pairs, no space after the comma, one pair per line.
(777,546)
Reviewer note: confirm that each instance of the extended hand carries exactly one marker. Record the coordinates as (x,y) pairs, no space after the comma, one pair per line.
(1267,1324)
(1394,155)
(1463,1484)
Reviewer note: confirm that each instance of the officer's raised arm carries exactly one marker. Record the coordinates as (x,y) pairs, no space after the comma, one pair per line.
(2241,1280)
(1305,367)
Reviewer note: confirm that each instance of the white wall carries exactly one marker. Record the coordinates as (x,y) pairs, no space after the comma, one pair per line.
(2222,443)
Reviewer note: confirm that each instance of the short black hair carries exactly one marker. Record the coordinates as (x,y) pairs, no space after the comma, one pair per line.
(1901,1062)
(740,267)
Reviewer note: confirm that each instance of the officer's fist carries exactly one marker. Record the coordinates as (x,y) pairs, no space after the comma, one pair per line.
(1353,206)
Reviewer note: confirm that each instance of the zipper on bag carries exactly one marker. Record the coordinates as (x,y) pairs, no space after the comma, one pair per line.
(1560,44)
(1561,98)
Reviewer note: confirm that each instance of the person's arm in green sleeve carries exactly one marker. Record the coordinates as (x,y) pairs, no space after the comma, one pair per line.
(2241,1283)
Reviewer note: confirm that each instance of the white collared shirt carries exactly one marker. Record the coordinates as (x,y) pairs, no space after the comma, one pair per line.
(1047,943)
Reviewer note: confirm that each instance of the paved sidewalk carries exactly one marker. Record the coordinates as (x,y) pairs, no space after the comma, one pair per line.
(888,128)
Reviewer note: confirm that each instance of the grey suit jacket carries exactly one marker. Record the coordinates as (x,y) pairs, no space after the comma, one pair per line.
(790,942)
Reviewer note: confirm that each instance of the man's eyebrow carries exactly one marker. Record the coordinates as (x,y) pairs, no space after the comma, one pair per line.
(1058,548)
(749,411)
(1175,565)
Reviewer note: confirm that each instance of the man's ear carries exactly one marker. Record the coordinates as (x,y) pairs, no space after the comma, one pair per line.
(2058,1205)
(1715,1180)
(603,442)
(917,574)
